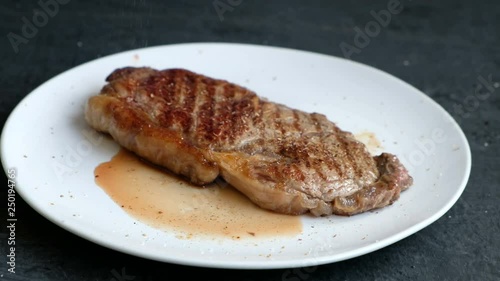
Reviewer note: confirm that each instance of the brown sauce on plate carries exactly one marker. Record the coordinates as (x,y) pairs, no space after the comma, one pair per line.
(164,200)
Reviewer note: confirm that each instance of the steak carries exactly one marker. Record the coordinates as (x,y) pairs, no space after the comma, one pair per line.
(283,159)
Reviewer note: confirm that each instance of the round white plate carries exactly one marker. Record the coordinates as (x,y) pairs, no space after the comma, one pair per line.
(54,152)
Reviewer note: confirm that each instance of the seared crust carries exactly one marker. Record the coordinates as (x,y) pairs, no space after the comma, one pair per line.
(132,130)
(283,159)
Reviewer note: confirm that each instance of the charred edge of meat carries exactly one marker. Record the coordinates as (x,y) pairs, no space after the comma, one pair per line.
(394,178)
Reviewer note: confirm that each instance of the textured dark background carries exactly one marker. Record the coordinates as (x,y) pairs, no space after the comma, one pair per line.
(440,48)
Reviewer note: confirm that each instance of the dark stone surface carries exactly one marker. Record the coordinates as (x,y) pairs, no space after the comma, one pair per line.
(441,48)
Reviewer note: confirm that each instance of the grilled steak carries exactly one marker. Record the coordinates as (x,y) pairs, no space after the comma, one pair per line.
(283,159)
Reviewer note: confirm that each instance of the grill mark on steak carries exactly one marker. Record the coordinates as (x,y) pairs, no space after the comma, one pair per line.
(350,164)
(233,117)
(160,86)
(317,124)
(257,122)
(278,125)
(240,114)
(189,102)
(257,117)
(198,96)
(320,167)
(296,121)
(180,114)
(205,122)
(284,160)
(320,144)
(223,109)
(165,114)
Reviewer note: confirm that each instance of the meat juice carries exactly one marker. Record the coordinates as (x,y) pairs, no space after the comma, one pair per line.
(165,201)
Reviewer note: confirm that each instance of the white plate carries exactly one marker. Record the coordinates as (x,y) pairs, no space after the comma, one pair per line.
(45,140)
